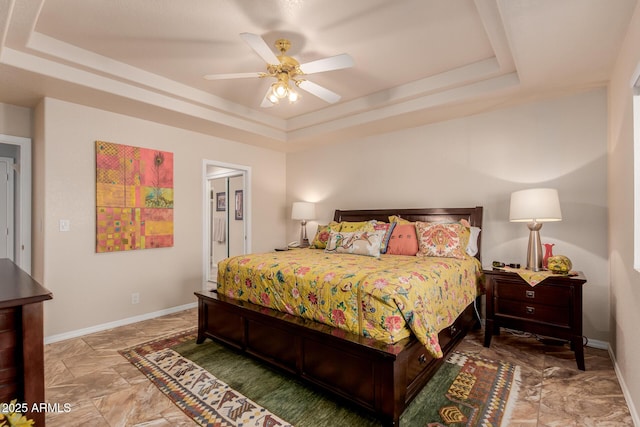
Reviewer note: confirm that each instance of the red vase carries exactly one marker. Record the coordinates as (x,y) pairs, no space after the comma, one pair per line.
(548,252)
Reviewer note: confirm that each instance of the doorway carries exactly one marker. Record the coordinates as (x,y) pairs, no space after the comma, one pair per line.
(227,213)
(18,151)
(6,210)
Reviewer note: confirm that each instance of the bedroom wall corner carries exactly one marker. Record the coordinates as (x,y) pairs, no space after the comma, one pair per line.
(625,280)
(37,193)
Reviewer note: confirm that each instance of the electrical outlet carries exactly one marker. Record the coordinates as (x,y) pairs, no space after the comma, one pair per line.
(135,298)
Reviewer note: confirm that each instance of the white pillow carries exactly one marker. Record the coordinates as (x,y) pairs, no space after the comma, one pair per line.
(472,246)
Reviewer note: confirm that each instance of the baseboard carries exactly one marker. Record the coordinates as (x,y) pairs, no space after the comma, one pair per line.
(602,345)
(110,325)
(625,391)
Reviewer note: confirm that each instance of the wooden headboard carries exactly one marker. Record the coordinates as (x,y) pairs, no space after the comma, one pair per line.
(473,215)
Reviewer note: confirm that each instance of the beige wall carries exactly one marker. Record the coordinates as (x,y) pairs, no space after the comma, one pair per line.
(92,289)
(625,280)
(480,160)
(15,121)
(38,175)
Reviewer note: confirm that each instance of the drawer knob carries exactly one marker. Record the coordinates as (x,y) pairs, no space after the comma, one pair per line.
(530,294)
(453,330)
(530,310)
(422,359)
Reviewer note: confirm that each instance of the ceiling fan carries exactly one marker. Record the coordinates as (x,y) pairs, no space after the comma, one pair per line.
(288,72)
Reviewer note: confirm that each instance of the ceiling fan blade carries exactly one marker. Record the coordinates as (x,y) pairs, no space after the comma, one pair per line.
(327,64)
(231,76)
(319,91)
(260,47)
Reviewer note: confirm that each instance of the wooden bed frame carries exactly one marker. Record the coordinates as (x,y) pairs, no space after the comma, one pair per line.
(381,378)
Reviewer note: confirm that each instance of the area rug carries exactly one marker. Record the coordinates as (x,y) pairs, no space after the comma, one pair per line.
(217,386)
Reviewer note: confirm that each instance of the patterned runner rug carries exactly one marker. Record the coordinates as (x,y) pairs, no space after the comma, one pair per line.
(217,386)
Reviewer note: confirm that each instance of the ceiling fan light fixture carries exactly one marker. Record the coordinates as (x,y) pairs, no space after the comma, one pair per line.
(293,96)
(272,96)
(280,89)
(285,69)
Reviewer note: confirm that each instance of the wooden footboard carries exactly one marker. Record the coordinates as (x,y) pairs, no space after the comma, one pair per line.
(381,378)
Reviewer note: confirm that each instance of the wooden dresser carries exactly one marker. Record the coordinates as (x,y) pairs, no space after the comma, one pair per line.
(21,338)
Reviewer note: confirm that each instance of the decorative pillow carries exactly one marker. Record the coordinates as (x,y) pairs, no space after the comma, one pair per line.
(403,240)
(387,228)
(396,219)
(472,246)
(350,226)
(442,240)
(355,242)
(322,235)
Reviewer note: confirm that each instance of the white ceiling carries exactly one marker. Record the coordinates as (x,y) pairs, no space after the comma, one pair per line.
(416,61)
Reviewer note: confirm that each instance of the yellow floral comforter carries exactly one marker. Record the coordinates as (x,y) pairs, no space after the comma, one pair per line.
(385,299)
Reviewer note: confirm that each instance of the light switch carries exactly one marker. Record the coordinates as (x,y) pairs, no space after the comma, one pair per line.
(65,225)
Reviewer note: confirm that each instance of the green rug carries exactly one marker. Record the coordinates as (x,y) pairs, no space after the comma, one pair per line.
(217,386)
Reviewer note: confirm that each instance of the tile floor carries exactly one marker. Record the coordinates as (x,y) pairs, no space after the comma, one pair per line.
(106,390)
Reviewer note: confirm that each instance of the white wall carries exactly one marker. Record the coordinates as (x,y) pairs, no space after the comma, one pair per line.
(92,289)
(15,121)
(479,161)
(625,280)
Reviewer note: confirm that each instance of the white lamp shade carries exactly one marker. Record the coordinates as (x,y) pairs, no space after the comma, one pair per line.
(535,205)
(303,211)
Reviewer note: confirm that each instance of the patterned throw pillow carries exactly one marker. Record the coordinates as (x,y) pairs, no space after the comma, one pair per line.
(387,228)
(448,240)
(322,235)
(355,242)
(350,226)
(396,219)
(403,240)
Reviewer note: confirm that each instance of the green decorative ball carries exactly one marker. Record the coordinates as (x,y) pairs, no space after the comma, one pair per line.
(559,264)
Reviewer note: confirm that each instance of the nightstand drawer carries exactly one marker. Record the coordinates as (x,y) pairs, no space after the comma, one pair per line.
(559,316)
(550,295)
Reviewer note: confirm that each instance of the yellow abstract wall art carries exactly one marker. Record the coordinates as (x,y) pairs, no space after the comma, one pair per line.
(134,198)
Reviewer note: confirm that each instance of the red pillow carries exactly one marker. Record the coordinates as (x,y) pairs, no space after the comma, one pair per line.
(404,240)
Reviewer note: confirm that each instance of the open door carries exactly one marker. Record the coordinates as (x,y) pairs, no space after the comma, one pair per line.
(18,151)
(6,208)
(226,212)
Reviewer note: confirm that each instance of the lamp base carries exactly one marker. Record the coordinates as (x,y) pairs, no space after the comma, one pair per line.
(304,241)
(534,250)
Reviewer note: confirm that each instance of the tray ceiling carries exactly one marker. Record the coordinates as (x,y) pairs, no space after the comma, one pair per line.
(416,61)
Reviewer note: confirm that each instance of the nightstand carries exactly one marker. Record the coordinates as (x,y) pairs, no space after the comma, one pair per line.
(551,308)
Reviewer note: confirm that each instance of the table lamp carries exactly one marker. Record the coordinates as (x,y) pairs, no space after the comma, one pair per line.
(535,207)
(303,211)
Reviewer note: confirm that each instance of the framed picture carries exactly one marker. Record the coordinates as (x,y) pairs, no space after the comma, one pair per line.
(239,205)
(221,202)
(134,185)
